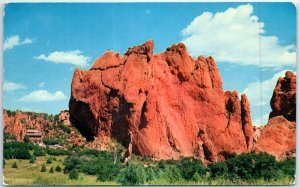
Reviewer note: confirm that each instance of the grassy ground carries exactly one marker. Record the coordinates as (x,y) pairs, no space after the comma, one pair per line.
(29,174)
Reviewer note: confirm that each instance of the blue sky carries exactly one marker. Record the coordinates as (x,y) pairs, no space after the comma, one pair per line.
(43,43)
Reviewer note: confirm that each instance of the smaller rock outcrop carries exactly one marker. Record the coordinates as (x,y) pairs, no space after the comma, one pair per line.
(283,101)
(278,137)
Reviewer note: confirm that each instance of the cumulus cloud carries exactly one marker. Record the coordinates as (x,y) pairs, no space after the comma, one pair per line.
(11,86)
(14,41)
(74,57)
(236,36)
(43,96)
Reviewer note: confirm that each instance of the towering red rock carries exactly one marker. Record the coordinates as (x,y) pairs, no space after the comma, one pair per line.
(278,137)
(164,106)
(283,101)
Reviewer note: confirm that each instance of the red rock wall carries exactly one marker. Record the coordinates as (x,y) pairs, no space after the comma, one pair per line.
(164,106)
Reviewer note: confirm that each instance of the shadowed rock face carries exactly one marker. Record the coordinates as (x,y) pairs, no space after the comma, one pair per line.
(283,101)
(278,137)
(164,106)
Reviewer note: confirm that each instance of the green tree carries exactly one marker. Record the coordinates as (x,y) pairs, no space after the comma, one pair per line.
(49,160)
(32,160)
(189,166)
(51,170)
(43,168)
(15,165)
(74,174)
(132,175)
(58,168)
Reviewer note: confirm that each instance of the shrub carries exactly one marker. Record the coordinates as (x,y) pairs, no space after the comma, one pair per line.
(4,163)
(253,166)
(58,168)
(288,167)
(51,170)
(49,161)
(32,160)
(8,135)
(196,177)
(14,165)
(172,174)
(64,128)
(74,174)
(105,170)
(132,175)
(53,141)
(218,169)
(38,151)
(150,174)
(189,166)
(43,168)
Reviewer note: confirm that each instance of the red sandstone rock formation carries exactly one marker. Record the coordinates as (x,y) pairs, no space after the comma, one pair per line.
(164,106)
(278,137)
(14,124)
(283,101)
(64,116)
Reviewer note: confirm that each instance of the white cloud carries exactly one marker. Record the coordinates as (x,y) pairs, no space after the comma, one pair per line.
(41,84)
(14,41)
(11,86)
(42,96)
(236,36)
(74,57)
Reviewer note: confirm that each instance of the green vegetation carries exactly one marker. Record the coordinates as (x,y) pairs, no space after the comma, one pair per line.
(43,168)
(84,166)
(54,141)
(14,165)
(49,161)
(74,174)
(26,139)
(19,150)
(51,170)
(7,135)
(58,168)
(64,128)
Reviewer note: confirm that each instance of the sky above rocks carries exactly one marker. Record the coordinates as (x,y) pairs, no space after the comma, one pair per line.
(252,43)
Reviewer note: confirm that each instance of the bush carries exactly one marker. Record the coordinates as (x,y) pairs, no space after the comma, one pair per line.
(64,128)
(172,174)
(218,169)
(53,141)
(43,168)
(51,170)
(49,161)
(8,135)
(253,166)
(105,170)
(74,174)
(15,165)
(288,167)
(196,177)
(58,168)
(132,175)
(32,160)
(4,163)
(190,166)
(38,151)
